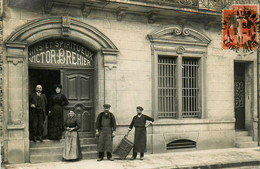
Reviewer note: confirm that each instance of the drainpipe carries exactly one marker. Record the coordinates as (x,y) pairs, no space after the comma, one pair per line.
(258,95)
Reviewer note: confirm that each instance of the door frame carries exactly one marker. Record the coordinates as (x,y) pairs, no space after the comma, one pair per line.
(240,124)
(15,77)
(250,96)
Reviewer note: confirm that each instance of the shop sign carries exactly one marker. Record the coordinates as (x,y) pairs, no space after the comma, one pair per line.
(60,53)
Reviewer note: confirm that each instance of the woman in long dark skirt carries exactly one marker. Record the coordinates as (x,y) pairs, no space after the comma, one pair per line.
(55,119)
(72,150)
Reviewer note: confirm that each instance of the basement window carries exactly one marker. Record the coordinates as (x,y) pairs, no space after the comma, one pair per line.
(181,144)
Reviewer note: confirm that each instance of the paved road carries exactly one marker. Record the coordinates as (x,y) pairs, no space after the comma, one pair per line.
(246,167)
(233,157)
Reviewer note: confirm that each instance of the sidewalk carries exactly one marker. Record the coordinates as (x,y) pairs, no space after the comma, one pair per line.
(216,158)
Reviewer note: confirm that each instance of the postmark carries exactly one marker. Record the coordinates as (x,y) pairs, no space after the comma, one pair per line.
(240,27)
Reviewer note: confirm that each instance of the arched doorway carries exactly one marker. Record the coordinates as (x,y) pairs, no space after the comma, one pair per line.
(72,74)
(65,62)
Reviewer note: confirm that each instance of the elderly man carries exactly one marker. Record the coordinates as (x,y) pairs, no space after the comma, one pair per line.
(139,122)
(105,131)
(38,104)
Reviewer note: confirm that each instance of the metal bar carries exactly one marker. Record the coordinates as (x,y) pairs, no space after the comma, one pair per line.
(170,84)
(174,86)
(167,85)
(189,83)
(197,89)
(193,86)
(159,87)
(164,100)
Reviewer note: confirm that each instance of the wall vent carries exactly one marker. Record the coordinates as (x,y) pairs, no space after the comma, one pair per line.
(181,144)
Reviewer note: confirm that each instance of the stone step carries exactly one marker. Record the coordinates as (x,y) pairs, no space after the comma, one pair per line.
(86,135)
(242,133)
(56,143)
(58,157)
(244,139)
(59,149)
(246,144)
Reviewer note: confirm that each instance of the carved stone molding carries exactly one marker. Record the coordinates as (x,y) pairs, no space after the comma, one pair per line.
(110,58)
(48,6)
(180,50)
(66,21)
(83,32)
(152,16)
(86,9)
(20,45)
(121,12)
(15,126)
(15,60)
(179,35)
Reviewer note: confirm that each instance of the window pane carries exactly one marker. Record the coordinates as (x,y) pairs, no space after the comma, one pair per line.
(167,99)
(190,87)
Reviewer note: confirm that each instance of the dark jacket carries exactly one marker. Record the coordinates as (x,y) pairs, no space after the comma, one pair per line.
(140,122)
(33,100)
(99,120)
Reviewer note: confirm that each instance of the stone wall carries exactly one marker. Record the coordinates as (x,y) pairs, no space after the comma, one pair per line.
(1,85)
(134,84)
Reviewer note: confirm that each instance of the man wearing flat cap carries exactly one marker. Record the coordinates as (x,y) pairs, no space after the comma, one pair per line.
(105,131)
(139,122)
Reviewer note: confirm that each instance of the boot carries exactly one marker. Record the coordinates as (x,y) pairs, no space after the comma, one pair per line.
(34,139)
(40,138)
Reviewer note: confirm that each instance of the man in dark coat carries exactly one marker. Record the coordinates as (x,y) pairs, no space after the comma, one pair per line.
(105,131)
(38,104)
(139,122)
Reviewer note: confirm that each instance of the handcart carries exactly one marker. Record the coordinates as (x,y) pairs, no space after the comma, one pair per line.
(124,147)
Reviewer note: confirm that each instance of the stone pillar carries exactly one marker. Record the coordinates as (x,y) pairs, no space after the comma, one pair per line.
(110,90)
(16,135)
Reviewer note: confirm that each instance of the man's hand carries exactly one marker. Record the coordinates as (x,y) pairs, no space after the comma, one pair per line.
(33,106)
(128,132)
(149,123)
(113,134)
(97,134)
(49,113)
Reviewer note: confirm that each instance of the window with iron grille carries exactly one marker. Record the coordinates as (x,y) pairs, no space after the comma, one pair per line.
(190,87)
(167,100)
(186,104)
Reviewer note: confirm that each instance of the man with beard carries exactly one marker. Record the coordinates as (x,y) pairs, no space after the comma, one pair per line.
(139,122)
(105,131)
(38,103)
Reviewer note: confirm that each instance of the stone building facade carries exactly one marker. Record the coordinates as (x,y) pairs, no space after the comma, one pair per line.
(166,57)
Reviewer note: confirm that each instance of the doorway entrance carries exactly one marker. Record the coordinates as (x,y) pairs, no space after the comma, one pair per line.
(239,95)
(77,86)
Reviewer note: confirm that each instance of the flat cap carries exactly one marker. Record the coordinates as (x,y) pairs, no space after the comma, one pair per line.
(139,108)
(106,105)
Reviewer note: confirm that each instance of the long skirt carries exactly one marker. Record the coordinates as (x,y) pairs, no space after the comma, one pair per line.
(105,140)
(55,122)
(72,150)
(140,140)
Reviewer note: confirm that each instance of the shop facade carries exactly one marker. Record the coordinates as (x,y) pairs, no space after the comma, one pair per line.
(198,93)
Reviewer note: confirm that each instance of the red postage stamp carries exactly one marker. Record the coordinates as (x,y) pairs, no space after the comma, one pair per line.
(240,27)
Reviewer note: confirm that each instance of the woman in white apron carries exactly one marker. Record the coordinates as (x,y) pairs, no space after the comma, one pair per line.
(72,150)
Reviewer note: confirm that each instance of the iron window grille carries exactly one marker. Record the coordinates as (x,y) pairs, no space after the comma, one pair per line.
(168,90)
(167,101)
(190,88)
